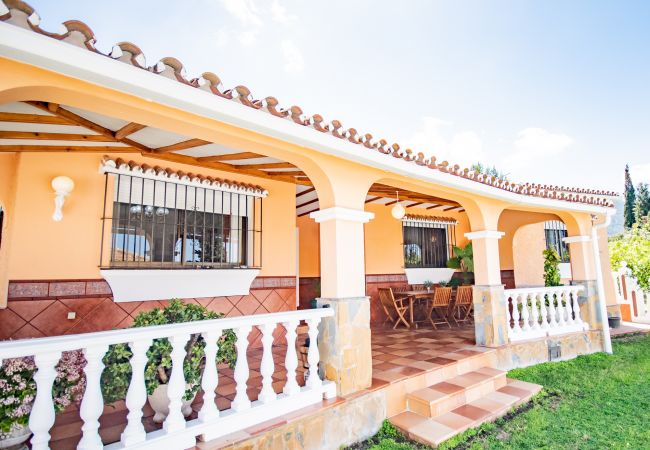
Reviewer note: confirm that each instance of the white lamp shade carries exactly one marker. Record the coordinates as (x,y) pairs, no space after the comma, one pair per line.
(398,211)
(62,184)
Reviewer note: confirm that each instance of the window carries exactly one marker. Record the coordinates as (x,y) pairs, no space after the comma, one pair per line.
(156,223)
(555,231)
(427,243)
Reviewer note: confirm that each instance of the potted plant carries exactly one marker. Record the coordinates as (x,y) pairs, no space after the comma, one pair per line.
(463,259)
(18,391)
(428,284)
(117,374)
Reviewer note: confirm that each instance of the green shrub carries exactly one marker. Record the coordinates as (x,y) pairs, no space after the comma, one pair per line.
(551,267)
(117,374)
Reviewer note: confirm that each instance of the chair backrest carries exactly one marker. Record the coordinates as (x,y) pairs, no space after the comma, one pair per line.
(419,287)
(387,300)
(441,296)
(464,295)
(402,288)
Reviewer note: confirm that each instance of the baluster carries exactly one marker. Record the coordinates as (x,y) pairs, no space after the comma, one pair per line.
(136,395)
(210,380)
(525,315)
(561,311)
(267,394)
(543,312)
(313,357)
(534,310)
(569,307)
(241,401)
(42,416)
(576,307)
(291,358)
(515,314)
(92,404)
(176,386)
(551,309)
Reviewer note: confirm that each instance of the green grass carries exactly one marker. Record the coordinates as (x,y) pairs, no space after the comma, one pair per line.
(592,402)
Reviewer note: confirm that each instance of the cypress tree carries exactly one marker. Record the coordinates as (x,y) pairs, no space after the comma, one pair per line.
(628,212)
(642,203)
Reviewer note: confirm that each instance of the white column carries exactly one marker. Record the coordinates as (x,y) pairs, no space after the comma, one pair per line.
(312,355)
(42,416)
(267,394)
(291,359)
(241,401)
(210,380)
(92,404)
(176,387)
(136,395)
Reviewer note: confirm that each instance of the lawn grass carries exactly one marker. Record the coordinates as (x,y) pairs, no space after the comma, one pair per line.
(592,402)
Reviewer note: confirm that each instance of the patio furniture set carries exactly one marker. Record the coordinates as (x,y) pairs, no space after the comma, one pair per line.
(439,306)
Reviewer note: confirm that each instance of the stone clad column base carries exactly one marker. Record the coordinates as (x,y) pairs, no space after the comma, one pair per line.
(588,301)
(490,316)
(344,344)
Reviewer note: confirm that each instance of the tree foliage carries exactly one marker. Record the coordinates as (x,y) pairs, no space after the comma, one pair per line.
(630,197)
(552,261)
(642,203)
(491,171)
(633,248)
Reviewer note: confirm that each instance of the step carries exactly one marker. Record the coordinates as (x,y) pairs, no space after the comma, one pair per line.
(442,397)
(434,431)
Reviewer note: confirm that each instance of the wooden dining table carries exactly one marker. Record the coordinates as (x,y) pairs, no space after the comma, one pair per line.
(412,297)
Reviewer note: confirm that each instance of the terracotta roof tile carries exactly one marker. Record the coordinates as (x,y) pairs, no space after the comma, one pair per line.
(79,34)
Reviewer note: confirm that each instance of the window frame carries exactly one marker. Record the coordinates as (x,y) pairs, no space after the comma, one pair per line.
(433,256)
(554,233)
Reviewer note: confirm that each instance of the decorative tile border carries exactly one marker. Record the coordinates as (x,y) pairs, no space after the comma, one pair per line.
(97,288)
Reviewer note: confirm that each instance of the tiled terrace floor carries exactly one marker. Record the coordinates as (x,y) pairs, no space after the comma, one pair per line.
(397,355)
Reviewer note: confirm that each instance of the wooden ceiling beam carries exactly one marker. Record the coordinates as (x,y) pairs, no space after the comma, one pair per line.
(286,172)
(128,129)
(305,192)
(78,120)
(66,148)
(307,203)
(370,200)
(54,136)
(276,165)
(190,143)
(413,205)
(230,157)
(33,118)
(308,212)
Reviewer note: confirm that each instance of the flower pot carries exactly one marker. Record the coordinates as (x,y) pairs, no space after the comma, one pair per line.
(16,438)
(614,322)
(159,402)
(313,303)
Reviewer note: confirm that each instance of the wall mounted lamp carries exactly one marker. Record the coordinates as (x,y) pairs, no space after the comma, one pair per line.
(62,187)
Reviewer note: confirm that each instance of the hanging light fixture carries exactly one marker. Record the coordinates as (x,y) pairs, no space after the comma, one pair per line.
(398,210)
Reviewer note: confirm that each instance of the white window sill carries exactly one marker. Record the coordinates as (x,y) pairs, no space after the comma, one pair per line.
(435,275)
(163,284)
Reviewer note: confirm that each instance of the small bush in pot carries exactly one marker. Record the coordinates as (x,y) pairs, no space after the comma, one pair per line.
(117,374)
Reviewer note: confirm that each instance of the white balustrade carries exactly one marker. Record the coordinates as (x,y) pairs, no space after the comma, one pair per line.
(177,431)
(539,312)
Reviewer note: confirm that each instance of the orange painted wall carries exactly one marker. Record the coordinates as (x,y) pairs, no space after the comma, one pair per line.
(527,246)
(8,167)
(309,239)
(44,249)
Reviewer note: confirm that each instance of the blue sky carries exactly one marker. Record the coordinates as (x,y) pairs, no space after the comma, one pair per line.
(549,91)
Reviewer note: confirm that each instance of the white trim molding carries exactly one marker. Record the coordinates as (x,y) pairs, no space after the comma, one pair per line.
(485,234)
(130,285)
(435,275)
(341,213)
(574,239)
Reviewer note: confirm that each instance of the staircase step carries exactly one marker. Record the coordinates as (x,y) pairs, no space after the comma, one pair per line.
(495,404)
(443,397)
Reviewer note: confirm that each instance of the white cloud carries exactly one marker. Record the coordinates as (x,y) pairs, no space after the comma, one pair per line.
(535,144)
(247,38)
(437,138)
(293,60)
(221,38)
(640,173)
(244,10)
(279,13)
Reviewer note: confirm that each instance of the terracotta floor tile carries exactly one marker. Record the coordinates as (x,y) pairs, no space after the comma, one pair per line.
(503,398)
(516,392)
(489,405)
(428,394)
(441,361)
(472,412)
(431,432)
(407,420)
(447,388)
(454,421)
(424,365)
(402,353)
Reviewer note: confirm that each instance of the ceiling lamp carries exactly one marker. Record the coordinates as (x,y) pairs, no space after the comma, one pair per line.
(398,210)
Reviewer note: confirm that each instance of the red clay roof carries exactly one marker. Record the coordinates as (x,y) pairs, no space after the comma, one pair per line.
(79,34)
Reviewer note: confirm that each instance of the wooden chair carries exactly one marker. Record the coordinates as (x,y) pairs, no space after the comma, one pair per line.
(464,305)
(439,307)
(393,308)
